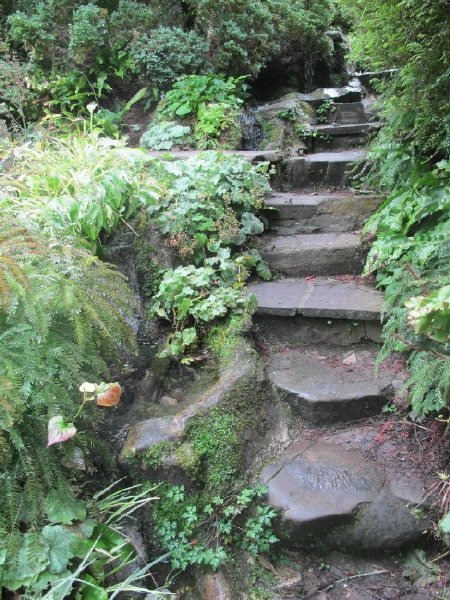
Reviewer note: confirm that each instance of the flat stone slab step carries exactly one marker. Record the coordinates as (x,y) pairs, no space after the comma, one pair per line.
(327,491)
(318,297)
(321,168)
(328,385)
(313,254)
(321,212)
(346,129)
(350,112)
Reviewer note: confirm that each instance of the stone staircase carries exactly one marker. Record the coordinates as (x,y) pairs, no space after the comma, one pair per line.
(320,323)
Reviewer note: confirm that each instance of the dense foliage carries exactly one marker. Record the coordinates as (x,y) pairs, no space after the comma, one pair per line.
(411,257)
(64,318)
(415,42)
(72,52)
(411,254)
(210,210)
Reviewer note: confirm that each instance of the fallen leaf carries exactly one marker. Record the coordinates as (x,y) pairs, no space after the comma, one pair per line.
(108,394)
(350,360)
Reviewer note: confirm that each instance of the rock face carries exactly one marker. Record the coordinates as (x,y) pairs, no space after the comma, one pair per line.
(336,495)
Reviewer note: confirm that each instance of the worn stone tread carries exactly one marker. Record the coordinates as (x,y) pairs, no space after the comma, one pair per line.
(323,389)
(324,489)
(337,156)
(346,129)
(314,254)
(318,297)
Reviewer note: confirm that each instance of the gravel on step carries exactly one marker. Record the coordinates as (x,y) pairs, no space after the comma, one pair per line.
(328,385)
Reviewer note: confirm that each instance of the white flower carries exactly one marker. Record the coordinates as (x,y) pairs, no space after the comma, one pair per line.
(88,388)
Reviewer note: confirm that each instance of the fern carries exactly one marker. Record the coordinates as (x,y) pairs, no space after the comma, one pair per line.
(410,257)
(67,314)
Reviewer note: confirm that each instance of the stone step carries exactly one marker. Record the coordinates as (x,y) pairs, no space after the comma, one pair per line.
(349,113)
(324,297)
(317,310)
(341,137)
(326,384)
(320,212)
(321,168)
(338,129)
(333,492)
(313,254)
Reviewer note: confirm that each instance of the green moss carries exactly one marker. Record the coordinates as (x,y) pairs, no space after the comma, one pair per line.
(154,456)
(223,337)
(148,271)
(188,459)
(219,438)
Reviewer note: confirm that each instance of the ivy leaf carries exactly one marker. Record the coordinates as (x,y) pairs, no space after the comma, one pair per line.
(62,508)
(59,430)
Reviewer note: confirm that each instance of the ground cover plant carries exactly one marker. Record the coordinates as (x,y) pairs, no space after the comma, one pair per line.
(211,209)
(61,197)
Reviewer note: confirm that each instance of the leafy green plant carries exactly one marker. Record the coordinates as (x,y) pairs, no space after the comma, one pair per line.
(79,186)
(210,211)
(190,93)
(287,115)
(164,135)
(191,296)
(167,54)
(81,544)
(212,120)
(325,110)
(201,532)
(410,256)
(305,132)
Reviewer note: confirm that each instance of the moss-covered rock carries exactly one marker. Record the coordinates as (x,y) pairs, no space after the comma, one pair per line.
(280,119)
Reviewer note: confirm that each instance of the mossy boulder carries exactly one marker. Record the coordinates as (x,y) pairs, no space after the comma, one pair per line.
(280,119)
(215,441)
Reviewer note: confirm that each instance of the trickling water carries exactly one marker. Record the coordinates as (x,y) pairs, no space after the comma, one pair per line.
(251,131)
(309,75)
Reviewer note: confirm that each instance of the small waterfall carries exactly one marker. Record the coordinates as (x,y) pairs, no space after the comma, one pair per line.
(309,75)
(251,132)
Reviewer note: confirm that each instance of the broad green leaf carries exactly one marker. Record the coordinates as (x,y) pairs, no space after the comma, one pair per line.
(62,508)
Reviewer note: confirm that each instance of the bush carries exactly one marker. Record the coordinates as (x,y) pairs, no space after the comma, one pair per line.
(242,36)
(415,41)
(87,33)
(164,55)
(129,21)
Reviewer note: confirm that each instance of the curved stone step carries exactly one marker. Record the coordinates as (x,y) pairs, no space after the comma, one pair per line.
(313,254)
(318,297)
(326,491)
(323,212)
(328,385)
(321,168)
